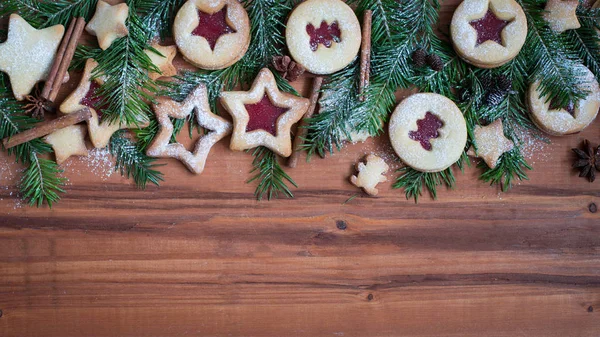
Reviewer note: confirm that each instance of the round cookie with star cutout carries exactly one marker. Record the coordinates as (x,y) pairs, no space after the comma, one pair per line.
(212,34)
(428,132)
(488,33)
(324,36)
(573,118)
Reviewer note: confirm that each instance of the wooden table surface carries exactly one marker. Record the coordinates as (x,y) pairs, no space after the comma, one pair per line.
(199,256)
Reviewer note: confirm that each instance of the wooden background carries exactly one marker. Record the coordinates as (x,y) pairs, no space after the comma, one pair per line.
(200,257)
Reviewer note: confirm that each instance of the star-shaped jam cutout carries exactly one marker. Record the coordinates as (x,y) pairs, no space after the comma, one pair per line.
(491,143)
(264,115)
(326,34)
(197,101)
(428,128)
(489,28)
(570,108)
(213,26)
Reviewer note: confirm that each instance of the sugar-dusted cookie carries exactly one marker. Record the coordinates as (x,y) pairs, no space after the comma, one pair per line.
(428,132)
(212,34)
(164,63)
(27,54)
(561,15)
(324,36)
(85,95)
(197,101)
(488,33)
(370,173)
(264,115)
(108,23)
(491,143)
(575,117)
(67,142)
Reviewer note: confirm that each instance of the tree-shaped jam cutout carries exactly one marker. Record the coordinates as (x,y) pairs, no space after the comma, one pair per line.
(263,115)
(93,100)
(326,35)
(570,108)
(427,129)
(213,26)
(489,28)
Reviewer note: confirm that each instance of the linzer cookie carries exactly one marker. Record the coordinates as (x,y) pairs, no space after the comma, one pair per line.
(212,34)
(428,132)
(324,36)
(108,23)
(488,33)
(574,117)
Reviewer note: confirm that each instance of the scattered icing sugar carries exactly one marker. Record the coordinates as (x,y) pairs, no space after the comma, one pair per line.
(99,162)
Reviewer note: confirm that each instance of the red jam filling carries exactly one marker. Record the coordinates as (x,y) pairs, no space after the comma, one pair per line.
(93,100)
(489,28)
(213,26)
(428,128)
(325,35)
(263,115)
(570,108)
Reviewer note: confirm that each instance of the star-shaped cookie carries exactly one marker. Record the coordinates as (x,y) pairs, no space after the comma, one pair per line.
(163,63)
(108,23)
(85,95)
(491,143)
(27,54)
(197,101)
(561,16)
(264,115)
(67,142)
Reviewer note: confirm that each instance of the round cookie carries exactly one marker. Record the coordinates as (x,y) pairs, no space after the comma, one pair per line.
(324,36)
(574,118)
(428,132)
(212,34)
(488,33)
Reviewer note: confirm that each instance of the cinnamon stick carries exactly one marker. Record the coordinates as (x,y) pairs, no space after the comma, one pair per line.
(301,133)
(57,60)
(46,128)
(365,54)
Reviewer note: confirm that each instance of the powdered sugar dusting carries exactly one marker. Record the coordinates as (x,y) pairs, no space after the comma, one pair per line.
(99,162)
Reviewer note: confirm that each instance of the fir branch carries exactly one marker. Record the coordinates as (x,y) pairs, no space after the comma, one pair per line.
(585,41)
(158,15)
(413,181)
(132,162)
(511,166)
(40,183)
(42,14)
(272,179)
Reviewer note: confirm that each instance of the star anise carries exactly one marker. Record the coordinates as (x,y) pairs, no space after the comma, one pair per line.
(588,161)
(288,69)
(37,105)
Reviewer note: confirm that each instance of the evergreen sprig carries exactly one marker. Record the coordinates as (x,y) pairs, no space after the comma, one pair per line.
(585,41)
(413,182)
(42,14)
(132,162)
(158,15)
(40,183)
(511,165)
(272,179)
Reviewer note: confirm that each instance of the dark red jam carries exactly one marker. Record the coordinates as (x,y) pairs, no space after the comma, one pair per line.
(489,28)
(325,35)
(428,128)
(263,115)
(213,26)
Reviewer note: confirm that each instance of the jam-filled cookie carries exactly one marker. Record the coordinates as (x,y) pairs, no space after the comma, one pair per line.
(428,132)
(574,117)
(212,34)
(488,33)
(324,36)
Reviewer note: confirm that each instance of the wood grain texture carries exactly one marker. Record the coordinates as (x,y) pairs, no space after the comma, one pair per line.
(200,257)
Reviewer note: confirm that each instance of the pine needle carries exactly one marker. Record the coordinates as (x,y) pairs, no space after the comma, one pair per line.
(132,162)
(40,183)
(413,181)
(272,179)
(42,14)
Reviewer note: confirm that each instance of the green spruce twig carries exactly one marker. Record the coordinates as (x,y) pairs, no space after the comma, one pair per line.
(42,14)
(40,183)
(272,179)
(413,182)
(132,162)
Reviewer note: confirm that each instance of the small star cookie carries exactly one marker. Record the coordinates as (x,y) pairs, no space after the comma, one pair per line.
(108,23)
(164,63)
(27,54)
(67,142)
(370,174)
(264,115)
(491,143)
(198,102)
(561,15)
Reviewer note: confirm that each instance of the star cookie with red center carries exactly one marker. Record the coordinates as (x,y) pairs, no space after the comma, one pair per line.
(491,143)
(264,115)
(197,101)
(108,23)
(212,34)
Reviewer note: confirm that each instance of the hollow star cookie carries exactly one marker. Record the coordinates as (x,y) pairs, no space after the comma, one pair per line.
(264,115)
(428,132)
(197,101)
(27,54)
(561,15)
(67,142)
(488,33)
(108,23)
(85,95)
(370,174)
(324,36)
(491,143)
(164,63)
(212,34)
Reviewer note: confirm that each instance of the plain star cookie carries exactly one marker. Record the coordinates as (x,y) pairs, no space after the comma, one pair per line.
(488,33)
(324,36)
(27,54)
(428,132)
(561,15)
(212,34)
(85,95)
(164,63)
(264,115)
(370,174)
(566,120)
(108,23)
(491,143)
(197,101)
(67,142)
